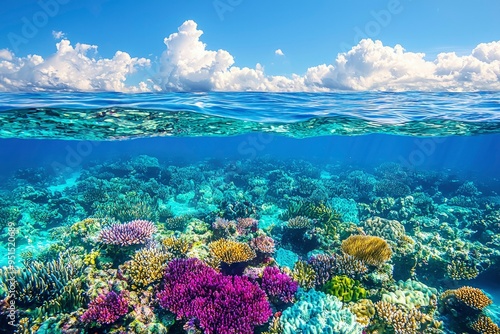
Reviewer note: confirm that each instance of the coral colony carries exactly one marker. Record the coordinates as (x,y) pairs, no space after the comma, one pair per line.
(280,247)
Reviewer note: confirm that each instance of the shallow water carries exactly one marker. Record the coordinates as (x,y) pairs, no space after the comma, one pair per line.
(425,165)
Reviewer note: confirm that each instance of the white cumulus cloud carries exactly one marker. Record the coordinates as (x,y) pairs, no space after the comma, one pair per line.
(70,68)
(279,52)
(188,64)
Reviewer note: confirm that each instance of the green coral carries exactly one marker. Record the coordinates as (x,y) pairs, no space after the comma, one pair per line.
(345,288)
(321,212)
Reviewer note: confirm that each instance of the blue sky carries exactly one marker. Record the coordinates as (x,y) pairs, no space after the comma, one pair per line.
(308,33)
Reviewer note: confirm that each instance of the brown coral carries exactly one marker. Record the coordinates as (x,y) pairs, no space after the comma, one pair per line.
(485,325)
(230,252)
(369,249)
(472,297)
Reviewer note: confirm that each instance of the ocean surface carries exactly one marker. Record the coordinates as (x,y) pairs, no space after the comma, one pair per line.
(106,197)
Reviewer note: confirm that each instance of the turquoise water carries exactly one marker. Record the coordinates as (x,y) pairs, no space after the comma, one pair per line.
(417,170)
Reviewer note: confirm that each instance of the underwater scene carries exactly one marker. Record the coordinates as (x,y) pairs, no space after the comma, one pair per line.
(246,213)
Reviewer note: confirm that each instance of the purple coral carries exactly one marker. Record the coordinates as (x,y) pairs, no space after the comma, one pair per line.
(131,233)
(220,304)
(245,225)
(106,309)
(278,286)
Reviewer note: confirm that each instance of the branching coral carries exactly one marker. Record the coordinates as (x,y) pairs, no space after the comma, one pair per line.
(484,325)
(304,274)
(403,321)
(230,252)
(176,247)
(106,309)
(462,270)
(325,266)
(131,233)
(471,297)
(278,286)
(369,249)
(146,267)
(300,222)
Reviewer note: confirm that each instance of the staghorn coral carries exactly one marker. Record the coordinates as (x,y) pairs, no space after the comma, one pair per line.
(484,325)
(402,320)
(471,297)
(364,309)
(131,233)
(106,309)
(369,249)
(230,252)
(176,247)
(461,270)
(146,267)
(304,274)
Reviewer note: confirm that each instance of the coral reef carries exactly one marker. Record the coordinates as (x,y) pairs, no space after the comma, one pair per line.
(402,321)
(304,274)
(230,252)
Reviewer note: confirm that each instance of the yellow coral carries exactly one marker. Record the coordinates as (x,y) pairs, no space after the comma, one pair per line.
(146,267)
(364,309)
(485,325)
(230,252)
(90,259)
(370,249)
(472,297)
(299,222)
(175,246)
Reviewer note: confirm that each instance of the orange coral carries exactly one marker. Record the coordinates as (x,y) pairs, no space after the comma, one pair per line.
(472,297)
(370,249)
(230,252)
(485,325)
